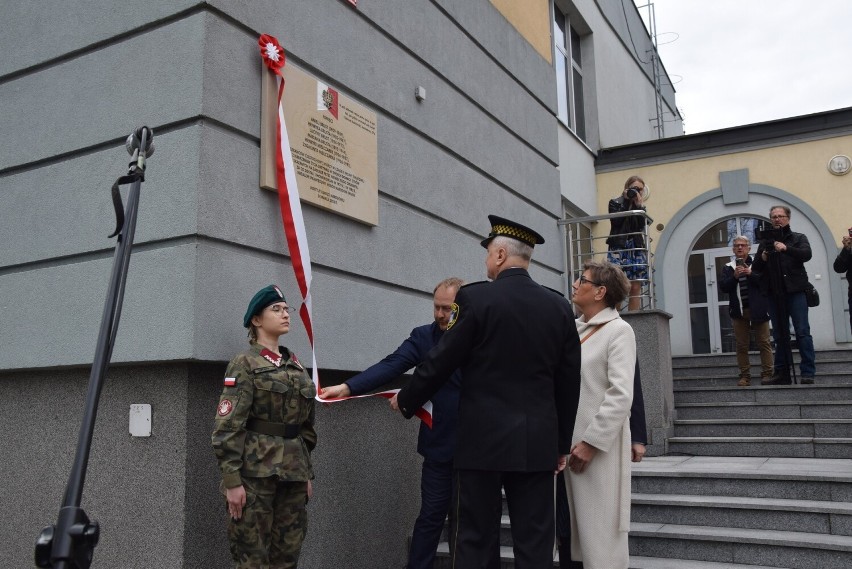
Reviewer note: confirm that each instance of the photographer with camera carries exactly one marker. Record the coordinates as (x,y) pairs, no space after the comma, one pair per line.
(780,260)
(626,241)
(749,310)
(843,264)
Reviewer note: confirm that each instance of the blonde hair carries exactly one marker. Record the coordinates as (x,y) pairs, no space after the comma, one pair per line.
(632,179)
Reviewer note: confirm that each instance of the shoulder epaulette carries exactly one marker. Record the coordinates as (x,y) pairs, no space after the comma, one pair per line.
(466,285)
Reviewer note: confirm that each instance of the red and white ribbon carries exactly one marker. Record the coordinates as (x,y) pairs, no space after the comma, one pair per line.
(294,225)
(288,198)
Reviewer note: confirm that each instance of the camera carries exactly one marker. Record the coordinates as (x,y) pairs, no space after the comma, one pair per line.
(768,235)
(631,193)
(850,232)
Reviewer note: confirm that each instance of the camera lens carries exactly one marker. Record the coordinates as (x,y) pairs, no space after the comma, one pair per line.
(631,193)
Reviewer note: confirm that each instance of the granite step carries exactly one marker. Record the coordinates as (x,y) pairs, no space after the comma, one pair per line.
(828,480)
(730,377)
(792,549)
(729,359)
(507,558)
(841,409)
(640,562)
(813,428)
(811,516)
(794,447)
(762,394)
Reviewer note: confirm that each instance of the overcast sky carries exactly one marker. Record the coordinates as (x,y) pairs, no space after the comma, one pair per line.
(746,61)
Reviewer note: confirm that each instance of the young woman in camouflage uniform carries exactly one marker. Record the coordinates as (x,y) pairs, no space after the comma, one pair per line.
(263,437)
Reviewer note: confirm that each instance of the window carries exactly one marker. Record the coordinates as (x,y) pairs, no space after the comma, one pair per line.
(569,73)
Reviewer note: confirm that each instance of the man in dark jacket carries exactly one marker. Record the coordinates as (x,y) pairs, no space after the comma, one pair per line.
(843,264)
(437,445)
(749,310)
(781,264)
(519,353)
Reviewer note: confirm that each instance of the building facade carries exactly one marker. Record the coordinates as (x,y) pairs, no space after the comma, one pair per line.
(506,126)
(710,187)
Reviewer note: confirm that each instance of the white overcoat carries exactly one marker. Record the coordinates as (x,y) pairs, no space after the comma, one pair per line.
(599,497)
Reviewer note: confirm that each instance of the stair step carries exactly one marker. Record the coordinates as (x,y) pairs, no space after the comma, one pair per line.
(703,360)
(751,477)
(720,377)
(797,550)
(762,394)
(766,410)
(799,447)
(507,557)
(639,562)
(811,516)
(718,427)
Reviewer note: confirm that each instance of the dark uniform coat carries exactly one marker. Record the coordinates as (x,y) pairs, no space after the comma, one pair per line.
(519,354)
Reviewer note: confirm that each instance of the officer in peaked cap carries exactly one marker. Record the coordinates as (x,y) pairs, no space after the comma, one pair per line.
(517,346)
(502,226)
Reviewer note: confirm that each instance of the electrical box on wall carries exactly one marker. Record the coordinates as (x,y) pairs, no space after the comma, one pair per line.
(140,420)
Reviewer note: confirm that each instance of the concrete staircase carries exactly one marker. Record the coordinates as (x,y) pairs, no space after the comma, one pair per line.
(755,477)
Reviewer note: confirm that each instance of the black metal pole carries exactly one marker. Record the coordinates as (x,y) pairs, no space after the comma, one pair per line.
(70,543)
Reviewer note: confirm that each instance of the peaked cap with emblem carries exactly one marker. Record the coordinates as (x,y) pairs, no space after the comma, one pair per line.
(263,298)
(502,226)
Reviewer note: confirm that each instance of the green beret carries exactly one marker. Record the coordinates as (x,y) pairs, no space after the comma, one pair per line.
(500,226)
(264,297)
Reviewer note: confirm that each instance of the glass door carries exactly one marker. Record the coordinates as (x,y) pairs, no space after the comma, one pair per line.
(710,322)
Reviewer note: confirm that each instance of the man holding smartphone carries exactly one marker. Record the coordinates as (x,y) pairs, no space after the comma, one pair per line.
(749,310)
(843,264)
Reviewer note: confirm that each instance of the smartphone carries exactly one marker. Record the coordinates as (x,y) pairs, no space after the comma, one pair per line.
(850,232)
(740,262)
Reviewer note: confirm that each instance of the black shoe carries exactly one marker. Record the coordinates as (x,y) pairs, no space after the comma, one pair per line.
(807,380)
(778,379)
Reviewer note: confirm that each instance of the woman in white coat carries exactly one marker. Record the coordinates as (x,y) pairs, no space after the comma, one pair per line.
(598,480)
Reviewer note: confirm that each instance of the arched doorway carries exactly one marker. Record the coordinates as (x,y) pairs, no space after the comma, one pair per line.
(710,323)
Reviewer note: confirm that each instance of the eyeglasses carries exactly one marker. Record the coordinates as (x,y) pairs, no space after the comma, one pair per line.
(740,244)
(278,309)
(778,216)
(583,279)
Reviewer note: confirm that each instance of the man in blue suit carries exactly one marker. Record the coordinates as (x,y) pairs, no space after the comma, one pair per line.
(436,445)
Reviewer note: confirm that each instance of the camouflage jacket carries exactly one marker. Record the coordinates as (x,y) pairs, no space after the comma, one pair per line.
(260,385)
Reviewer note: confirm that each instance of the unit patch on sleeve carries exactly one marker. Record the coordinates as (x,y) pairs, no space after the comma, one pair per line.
(225,407)
(230,381)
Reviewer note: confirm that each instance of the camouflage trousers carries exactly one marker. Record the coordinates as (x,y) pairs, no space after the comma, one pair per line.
(273,526)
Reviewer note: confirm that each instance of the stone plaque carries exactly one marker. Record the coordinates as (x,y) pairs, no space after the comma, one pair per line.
(333,143)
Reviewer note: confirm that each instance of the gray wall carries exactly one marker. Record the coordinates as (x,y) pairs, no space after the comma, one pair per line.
(483,141)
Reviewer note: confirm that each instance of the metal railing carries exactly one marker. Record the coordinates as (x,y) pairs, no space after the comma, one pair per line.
(582,245)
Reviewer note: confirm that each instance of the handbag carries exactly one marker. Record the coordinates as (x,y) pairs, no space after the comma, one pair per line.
(811,295)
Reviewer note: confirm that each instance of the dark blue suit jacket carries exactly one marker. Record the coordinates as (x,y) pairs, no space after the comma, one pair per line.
(439,442)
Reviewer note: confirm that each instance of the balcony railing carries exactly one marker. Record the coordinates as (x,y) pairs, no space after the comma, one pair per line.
(582,245)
